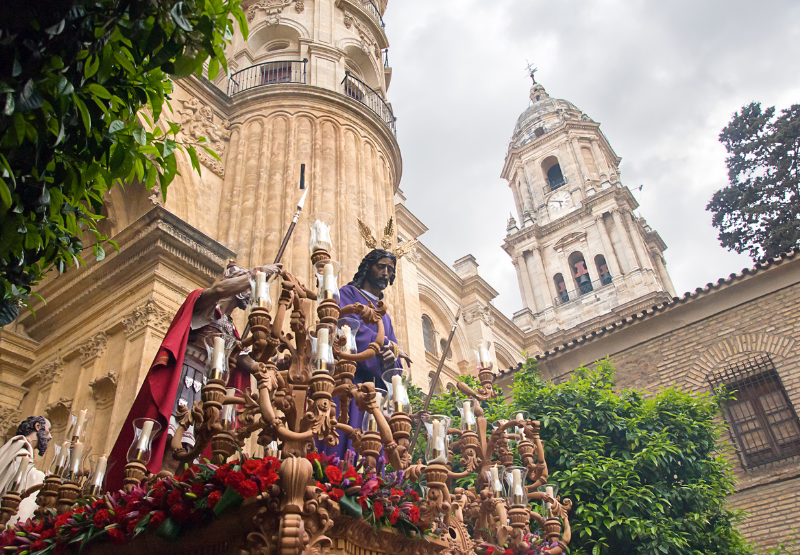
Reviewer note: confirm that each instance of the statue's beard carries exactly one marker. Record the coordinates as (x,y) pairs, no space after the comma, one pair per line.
(42,441)
(242,300)
(378,282)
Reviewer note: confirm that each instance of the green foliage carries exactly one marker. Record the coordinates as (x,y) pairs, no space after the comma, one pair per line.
(645,474)
(759,211)
(791,545)
(75,78)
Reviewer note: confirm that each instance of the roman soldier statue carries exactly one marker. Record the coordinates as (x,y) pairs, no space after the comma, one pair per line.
(32,434)
(178,371)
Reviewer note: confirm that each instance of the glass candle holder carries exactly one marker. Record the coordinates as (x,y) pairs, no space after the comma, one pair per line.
(436,451)
(397,400)
(79,425)
(520,415)
(515,478)
(347,327)
(320,225)
(495,478)
(98,469)
(219,347)
(18,484)
(368,423)
(322,350)
(483,356)
(468,421)
(552,491)
(327,272)
(73,472)
(272,450)
(60,459)
(261,291)
(229,415)
(141,449)
(497,423)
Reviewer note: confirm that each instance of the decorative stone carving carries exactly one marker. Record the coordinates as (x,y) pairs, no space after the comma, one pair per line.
(149,314)
(414,256)
(348,19)
(104,387)
(483,313)
(299,6)
(93,347)
(568,239)
(51,372)
(9,421)
(58,412)
(198,121)
(273,9)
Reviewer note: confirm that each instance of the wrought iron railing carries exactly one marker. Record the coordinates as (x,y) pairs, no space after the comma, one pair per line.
(567,296)
(268,73)
(373,11)
(356,89)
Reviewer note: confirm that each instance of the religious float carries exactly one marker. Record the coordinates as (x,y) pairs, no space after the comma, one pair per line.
(292,499)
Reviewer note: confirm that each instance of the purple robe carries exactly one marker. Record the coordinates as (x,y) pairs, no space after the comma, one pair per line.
(369,371)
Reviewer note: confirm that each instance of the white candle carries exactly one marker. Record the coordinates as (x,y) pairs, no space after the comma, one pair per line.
(75,458)
(397,383)
(102,463)
(63,458)
(549,490)
(348,335)
(144,438)
(323,335)
(80,423)
(18,483)
(486,360)
(469,415)
(261,286)
(218,357)
(495,479)
(516,480)
(272,449)
(328,280)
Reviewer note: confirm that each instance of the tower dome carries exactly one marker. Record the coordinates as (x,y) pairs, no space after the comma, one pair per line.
(543,115)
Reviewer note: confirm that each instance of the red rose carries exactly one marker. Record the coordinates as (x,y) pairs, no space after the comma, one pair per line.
(377,508)
(223,471)
(314,457)
(322,486)
(414,496)
(334,475)
(158,494)
(101,518)
(37,546)
(157,519)
(363,502)
(394,516)
(490,550)
(350,472)
(274,463)
(247,489)
(174,497)
(198,488)
(98,504)
(48,534)
(179,513)
(213,499)
(37,527)
(80,510)
(234,479)
(131,526)
(7,537)
(336,494)
(252,466)
(359,480)
(61,520)
(117,536)
(413,513)
(268,479)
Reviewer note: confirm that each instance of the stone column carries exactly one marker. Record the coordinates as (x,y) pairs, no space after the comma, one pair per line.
(545,281)
(517,201)
(622,232)
(527,201)
(610,254)
(600,160)
(567,271)
(536,285)
(638,243)
(661,266)
(525,287)
(576,149)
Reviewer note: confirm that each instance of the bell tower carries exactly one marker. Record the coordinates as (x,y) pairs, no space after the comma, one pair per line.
(579,250)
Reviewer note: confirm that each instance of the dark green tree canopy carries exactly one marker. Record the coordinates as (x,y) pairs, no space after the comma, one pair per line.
(759,211)
(83,84)
(644,473)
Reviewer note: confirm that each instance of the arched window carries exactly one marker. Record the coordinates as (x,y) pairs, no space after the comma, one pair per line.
(580,273)
(561,288)
(428,334)
(602,269)
(552,170)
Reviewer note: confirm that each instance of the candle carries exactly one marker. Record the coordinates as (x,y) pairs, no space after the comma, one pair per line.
(272,449)
(261,289)
(62,458)
(549,490)
(496,487)
(469,416)
(516,481)
(217,358)
(18,483)
(144,438)
(100,472)
(229,412)
(486,360)
(79,425)
(323,345)
(348,335)
(328,281)
(75,460)
(397,383)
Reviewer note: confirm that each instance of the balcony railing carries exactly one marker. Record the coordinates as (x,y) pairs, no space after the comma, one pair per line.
(355,88)
(370,7)
(567,296)
(268,73)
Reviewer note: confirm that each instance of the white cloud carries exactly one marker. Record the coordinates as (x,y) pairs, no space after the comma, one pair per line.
(662,77)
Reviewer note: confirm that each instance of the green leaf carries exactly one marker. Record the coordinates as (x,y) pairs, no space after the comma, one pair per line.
(350,506)
(5,194)
(115,126)
(91,66)
(9,107)
(99,90)
(177,17)
(230,498)
(140,135)
(87,120)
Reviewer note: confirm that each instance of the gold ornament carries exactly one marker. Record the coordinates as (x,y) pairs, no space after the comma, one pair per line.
(387,240)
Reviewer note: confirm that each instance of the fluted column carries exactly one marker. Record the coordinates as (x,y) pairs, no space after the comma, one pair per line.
(638,243)
(546,281)
(525,287)
(527,201)
(600,160)
(610,255)
(622,233)
(537,287)
(661,266)
(576,149)
(517,202)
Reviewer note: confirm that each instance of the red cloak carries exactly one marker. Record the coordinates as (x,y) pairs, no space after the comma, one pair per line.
(156,397)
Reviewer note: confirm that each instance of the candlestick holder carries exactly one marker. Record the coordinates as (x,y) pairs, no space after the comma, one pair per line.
(9,505)
(68,492)
(48,495)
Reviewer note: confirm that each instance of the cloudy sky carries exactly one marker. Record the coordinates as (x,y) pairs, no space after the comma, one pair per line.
(663,78)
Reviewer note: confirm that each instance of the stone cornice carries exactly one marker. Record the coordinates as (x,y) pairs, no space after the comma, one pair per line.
(409,222)
(158,237)
(323,50)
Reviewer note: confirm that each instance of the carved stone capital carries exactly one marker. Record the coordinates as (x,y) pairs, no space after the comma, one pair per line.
(94,347)
(104,388)
(148,314)
(9,421)
(481,312)
(198,120)
(58,412)
(51,372)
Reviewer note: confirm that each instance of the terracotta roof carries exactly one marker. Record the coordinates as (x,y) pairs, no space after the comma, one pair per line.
(762,265)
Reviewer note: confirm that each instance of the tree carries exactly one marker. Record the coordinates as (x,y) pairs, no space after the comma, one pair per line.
(645,474)
(759,211)
(83,85)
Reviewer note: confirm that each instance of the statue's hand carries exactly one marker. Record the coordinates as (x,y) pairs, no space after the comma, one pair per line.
(269,269)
